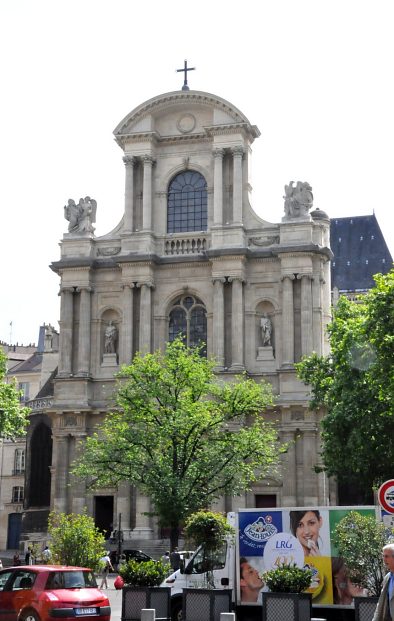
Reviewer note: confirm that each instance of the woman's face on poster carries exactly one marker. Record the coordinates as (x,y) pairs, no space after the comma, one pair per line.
(308,530)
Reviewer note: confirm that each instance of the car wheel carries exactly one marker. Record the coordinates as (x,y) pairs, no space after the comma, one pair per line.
(29,615)
(176,611)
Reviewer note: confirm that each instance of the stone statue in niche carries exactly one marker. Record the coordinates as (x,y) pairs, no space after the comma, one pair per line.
(266,330)
(110,338)
(81,216)
(298,199)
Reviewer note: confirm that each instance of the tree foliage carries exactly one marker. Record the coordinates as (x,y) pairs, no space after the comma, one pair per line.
(182,437)
(75,540)
(207,527)
(359,540)
(13,417)
(355,384)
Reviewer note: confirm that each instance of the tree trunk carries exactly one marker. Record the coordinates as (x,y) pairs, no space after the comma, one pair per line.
(174,536)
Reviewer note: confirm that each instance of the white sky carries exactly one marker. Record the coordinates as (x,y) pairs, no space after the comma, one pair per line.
(315,77)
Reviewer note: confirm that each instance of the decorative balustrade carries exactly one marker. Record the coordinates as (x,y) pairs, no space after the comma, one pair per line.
(196,244)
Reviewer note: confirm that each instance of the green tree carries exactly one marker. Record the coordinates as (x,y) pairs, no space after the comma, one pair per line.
(182,437)
(13,417)
(359,540)
(75,540)
(355,385)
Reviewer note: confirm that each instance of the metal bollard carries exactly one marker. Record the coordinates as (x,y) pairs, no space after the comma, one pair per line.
(148,614)
(227,616)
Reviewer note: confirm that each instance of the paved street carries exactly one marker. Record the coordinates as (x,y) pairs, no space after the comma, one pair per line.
(115,598)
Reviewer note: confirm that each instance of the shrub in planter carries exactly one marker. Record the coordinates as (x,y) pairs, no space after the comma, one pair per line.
(149,573)
(288,579)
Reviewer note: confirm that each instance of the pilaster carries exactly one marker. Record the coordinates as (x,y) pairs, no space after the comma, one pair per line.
(218,322)
(218,155)
(84,331)
(129,193)
(126,352)
(306,314)
(238,153)
(148,162)
(66,331)
(287,320)
(237,324)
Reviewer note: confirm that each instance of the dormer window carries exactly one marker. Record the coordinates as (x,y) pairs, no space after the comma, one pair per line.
(187,203)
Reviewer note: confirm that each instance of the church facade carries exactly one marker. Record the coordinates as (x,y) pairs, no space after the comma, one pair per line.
(189,256)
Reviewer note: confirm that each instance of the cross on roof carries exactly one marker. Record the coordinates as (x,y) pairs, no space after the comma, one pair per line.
(185,70)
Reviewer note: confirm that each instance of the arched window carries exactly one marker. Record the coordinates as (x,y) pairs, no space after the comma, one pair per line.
(187,203)
(188,318)
(19,461)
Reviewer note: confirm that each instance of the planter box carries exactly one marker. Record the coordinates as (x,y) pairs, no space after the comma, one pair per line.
(205,604)
(364,608)
(134,599)
(287,606)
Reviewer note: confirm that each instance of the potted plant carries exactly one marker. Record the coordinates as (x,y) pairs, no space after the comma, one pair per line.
(142,590)
(286,598)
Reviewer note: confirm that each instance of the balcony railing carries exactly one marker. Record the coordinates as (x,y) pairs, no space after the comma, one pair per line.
(186,244)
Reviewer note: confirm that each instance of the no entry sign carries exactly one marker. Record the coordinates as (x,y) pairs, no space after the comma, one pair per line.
(386,496)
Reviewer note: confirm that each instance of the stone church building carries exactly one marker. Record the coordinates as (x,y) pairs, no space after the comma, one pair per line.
(189,255)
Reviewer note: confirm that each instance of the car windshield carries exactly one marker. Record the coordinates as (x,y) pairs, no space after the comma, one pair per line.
(71,580)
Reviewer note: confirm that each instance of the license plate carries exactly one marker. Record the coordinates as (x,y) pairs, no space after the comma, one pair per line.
(85,611)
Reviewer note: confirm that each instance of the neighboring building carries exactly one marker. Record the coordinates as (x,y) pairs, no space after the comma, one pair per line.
(360,251)
(189,255)
(34,373)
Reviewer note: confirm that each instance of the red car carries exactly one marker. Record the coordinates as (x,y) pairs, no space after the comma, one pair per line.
(41,593)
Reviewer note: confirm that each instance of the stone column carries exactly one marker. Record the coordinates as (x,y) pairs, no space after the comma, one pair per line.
(66,330)
(61,469)
(218,186)
(287,320)
(129,193)
(218,322)
(147,193)
(309,458)
(238,153)
(84,331)
(237,325)
(126,351)
(289,492)
(143,529)
(306,314)
(145,317)
(317,328)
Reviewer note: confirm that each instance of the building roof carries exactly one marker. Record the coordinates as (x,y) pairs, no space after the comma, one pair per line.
(360,251)
(32,364)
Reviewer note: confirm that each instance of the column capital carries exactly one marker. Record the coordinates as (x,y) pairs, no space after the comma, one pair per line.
(66,290)
(289,276)
(148,160)
(87,288)
(127,285)
(218,153)
(219,279)
(235,278)
(238,151)
(148,284)
(301,276)
(129,160)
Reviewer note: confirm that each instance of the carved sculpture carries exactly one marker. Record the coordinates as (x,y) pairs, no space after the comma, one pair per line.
(298,199)
(110,337)
(81,216)
(266,330)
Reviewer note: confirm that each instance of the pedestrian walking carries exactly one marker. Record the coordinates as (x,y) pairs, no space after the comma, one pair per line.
(107,567)
(385,607)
